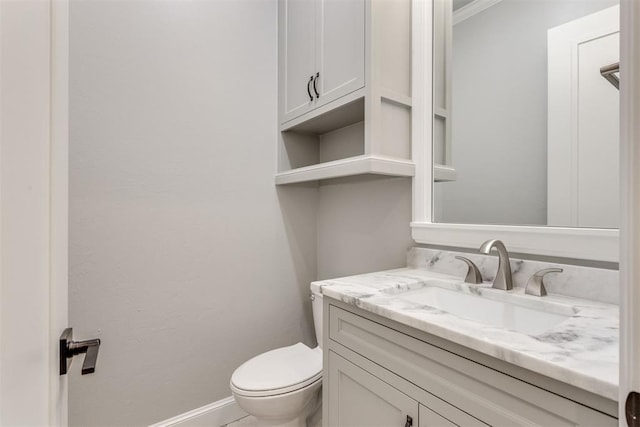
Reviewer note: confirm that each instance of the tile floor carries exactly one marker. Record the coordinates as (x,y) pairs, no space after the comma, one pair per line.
(251,422)
(243,422)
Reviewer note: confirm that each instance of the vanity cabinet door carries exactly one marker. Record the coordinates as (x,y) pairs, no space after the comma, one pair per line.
(428,418)
(359,399)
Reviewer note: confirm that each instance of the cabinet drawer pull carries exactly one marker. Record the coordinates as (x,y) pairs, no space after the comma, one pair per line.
(409,422)
(315,88)
(309,90)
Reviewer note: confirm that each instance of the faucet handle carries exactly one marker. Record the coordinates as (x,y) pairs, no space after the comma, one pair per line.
(535,285)
(473,274)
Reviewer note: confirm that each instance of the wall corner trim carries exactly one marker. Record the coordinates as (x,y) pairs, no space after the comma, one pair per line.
(218,413)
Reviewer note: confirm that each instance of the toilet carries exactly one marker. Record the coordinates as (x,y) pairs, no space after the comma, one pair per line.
(282,387)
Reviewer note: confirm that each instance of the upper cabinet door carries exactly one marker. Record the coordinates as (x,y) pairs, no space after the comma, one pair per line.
(297,54)
(340,48)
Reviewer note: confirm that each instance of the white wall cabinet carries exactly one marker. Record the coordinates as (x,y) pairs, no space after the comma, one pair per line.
(297,57)
(344,89)
(340,48)
(322,53)
(379,372)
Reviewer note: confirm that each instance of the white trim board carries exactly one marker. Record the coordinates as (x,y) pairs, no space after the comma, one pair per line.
(215,414)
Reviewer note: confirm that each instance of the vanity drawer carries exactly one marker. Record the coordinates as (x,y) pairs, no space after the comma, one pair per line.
(491,396)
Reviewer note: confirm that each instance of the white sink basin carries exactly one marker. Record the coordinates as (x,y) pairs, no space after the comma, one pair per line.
(504,311)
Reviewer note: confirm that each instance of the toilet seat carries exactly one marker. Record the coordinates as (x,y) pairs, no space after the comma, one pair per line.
(278,371)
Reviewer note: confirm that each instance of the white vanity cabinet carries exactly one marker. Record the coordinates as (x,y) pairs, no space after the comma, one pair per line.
(378,372)
(321,51)
(345,90)
(359,398)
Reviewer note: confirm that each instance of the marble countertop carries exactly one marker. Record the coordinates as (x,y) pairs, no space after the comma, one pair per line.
(581,350)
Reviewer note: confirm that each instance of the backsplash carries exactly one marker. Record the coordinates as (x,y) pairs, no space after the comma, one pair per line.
(596,284)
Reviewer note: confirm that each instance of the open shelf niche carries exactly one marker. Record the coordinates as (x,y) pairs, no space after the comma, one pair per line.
(338,143)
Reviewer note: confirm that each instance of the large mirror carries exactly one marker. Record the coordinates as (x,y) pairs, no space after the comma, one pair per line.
(526,112)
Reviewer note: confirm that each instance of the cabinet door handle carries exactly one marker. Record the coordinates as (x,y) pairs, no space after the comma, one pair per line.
(309,90)
(409,422)
(315,88)
(632,409)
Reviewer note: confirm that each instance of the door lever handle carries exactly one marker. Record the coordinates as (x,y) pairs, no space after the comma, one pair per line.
(70,348)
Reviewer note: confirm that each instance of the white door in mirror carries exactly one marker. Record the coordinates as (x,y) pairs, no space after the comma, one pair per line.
(584,136)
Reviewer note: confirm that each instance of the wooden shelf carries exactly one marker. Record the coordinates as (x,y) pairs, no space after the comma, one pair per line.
(443,173)
(367,164)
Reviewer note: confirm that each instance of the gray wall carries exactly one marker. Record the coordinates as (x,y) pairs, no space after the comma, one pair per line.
(363,225)
(500,112)
(185,259)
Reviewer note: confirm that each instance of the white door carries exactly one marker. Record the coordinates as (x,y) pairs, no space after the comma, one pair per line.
(583,123)
(33,210)
(630,206)
(340,48)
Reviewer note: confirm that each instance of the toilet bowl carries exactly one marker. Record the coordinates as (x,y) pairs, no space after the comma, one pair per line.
(282,387)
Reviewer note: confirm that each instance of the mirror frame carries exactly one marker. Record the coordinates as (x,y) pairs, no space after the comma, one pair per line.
(599,244)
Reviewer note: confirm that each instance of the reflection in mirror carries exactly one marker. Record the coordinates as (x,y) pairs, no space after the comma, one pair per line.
(525,125)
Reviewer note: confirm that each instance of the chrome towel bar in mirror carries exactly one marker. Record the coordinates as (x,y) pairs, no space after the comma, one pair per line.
(608,72)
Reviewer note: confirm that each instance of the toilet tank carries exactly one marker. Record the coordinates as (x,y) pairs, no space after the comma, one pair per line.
(316,305)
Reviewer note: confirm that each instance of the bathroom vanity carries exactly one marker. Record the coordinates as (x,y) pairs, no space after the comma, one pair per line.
(396,355)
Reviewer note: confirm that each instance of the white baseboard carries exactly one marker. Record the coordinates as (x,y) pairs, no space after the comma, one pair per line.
(215,414)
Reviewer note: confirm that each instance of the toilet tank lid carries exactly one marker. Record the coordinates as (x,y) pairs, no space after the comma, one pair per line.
(280,368)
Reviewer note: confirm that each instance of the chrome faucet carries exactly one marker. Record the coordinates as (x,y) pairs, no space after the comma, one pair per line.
(503,279)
